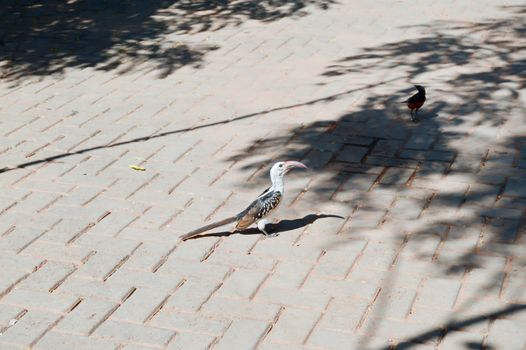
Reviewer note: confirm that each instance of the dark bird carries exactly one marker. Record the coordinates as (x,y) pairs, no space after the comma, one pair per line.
(264,204)
(416,101)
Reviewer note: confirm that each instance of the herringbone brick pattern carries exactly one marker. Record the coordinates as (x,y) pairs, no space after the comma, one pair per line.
(401,236)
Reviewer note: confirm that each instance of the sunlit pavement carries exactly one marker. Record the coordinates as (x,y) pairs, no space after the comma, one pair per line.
(125,126)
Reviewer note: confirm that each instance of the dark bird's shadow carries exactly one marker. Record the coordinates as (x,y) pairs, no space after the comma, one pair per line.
(280,227)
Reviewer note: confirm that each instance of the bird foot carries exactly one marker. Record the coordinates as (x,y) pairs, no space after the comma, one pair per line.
(270,235)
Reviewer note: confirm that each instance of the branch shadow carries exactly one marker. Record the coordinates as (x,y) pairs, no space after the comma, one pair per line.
(40,38)
(325,99)
(458,325)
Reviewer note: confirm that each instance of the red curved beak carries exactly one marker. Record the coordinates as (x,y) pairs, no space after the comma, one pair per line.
(291,164)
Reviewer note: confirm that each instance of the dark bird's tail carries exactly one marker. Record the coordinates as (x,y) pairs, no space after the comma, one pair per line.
(208,227)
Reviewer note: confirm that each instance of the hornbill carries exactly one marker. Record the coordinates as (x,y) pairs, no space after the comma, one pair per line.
(265,203)
(416,101)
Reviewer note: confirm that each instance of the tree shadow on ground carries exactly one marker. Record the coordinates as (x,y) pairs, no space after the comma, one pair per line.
(40,38)
(457,325)
(452,181)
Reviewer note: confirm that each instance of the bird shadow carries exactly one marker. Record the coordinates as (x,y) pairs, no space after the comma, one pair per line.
(280,227)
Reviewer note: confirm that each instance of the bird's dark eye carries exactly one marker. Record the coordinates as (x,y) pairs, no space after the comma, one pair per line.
(281,165)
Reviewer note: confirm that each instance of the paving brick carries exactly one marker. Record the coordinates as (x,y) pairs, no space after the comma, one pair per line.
(69,227)
(502,230)
(377,256)
(381,197)
(406,208)
(8,313)
(288,274)
(145,279)
(396,177)
(344,314)
(420,141)
(356,182)
(429,315)
(24,263)
(268,346)
(37,300)
(386,148)
(506,333)
(36,201)
(237,308)
(10,279)
(397,331)
(337,263)
(58,252)
(86,316)
(130,332)
(196,249)
(144,303)
(364,218)
(455,340)
(105,261)
(440,293)
(83,287)
(148,235)
(242,334)
(184,341)
(293,326)
(28,329)
(203,270)
(247,261)
(192,294)
(330,339)
(20,238)
(113,224)
(147,256)
(394,302)
(292,297)
(352,154)
(48,277)
(339,288)
(242,284)
(515,188)
(186,322)
(271,249)
(462,238)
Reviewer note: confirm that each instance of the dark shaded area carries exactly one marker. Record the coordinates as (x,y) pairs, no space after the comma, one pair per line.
(45,37)
(280,227)
(489,47)
(459,325)
(377,139)
(374,151)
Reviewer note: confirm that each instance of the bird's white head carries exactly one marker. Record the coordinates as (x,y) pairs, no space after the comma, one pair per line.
(279,169)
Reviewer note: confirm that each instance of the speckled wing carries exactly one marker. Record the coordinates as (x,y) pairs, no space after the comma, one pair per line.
(258,209)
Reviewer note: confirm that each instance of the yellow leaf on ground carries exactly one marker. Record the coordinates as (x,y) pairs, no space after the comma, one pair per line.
(136,167)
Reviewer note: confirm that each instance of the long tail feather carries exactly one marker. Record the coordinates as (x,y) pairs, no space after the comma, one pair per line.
(208,227)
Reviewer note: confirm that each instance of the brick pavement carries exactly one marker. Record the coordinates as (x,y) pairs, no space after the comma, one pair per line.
(428,251)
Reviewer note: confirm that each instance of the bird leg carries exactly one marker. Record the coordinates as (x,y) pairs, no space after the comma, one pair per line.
(414,116)
(261,226)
